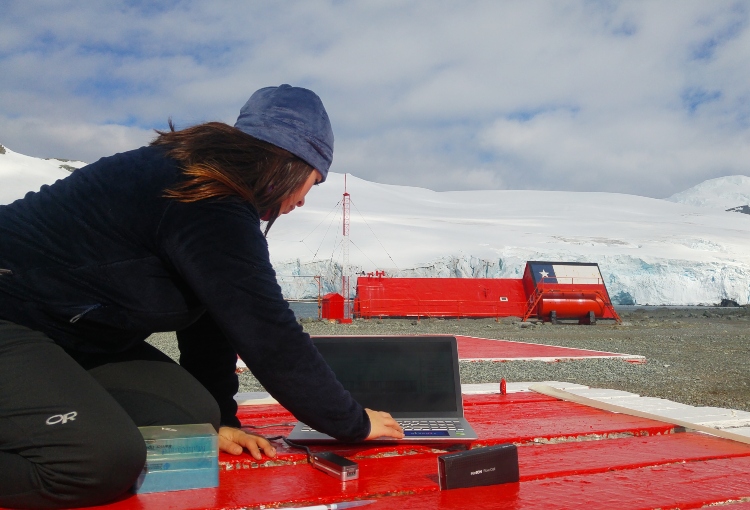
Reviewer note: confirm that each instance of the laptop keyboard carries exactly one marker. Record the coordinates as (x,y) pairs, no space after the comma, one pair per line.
(430,425)
(430,428)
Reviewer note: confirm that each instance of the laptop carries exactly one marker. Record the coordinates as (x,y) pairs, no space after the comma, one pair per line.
(414,378)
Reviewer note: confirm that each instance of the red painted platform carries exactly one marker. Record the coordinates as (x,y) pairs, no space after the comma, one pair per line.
(570,456)
(484,349)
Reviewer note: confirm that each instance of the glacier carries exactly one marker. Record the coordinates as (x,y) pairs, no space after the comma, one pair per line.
(650,251)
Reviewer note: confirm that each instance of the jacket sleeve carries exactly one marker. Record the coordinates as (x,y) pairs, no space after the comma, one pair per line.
(208,356)
(218,249)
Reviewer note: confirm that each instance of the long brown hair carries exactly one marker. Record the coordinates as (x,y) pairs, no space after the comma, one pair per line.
(219,161)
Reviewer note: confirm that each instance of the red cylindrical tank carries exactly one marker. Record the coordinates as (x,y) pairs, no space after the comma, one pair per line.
(570,305)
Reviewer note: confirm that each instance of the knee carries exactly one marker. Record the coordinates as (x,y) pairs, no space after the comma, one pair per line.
(119,461)
(97,472)
(207,411)
(157,393)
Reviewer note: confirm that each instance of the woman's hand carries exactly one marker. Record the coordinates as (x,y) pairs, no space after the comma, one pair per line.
(232,441)
(383,425)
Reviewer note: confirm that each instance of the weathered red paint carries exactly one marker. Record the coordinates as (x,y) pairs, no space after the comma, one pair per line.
(557,465)
(522,417)
(568,297)
(439,297)
(680,485)
(510,398)
(487,349)
(516,417)
(652,467)
(267,414)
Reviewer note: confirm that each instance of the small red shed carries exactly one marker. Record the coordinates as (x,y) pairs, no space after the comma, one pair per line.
(332,306)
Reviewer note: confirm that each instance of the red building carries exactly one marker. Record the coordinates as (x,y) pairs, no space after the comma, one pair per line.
(549,291)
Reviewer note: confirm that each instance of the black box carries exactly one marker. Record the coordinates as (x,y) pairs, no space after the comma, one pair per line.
(336,465)
(481,466)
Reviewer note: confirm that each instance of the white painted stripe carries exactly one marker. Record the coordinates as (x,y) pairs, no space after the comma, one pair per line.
(744,431)
(602,394)
(603,354)
(513,387)
(254,398)
(725,424)
(699,412)
(650,404)
(612,406)
(552,359)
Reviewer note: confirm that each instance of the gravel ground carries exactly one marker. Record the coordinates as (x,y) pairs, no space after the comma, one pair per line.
(697,356)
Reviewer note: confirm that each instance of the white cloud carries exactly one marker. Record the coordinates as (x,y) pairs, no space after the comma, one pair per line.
(69,139)
(642,97)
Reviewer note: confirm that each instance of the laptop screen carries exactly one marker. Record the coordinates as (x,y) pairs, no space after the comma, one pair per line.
(405,376)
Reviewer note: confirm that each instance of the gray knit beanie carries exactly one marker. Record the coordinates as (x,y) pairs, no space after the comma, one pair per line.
(292,118)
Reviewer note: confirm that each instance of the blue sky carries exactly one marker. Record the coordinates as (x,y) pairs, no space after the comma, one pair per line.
(641,97)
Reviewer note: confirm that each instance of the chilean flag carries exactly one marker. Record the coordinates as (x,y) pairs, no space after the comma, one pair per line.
(560,272)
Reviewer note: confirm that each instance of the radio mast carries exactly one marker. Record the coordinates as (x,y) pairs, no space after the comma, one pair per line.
(345,263)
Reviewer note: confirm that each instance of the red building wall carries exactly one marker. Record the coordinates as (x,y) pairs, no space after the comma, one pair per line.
(572,290)
(439,297)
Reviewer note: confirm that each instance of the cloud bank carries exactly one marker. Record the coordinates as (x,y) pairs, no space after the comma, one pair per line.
(647,98)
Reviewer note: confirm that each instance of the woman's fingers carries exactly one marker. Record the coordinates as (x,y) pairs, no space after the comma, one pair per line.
(229,446)
(382,424)
(233,440)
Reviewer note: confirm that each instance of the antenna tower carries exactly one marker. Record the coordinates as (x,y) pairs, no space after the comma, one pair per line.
(345,262)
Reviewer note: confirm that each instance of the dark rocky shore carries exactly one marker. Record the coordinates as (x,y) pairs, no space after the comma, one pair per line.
(697,356)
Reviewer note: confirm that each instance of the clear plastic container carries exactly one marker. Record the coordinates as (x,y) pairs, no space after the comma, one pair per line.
(176,480)
(195,440)
(179,457)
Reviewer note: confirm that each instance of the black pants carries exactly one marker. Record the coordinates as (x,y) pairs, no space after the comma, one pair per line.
(68,427)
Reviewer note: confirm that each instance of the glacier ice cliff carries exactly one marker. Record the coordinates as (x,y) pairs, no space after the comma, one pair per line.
(629,280)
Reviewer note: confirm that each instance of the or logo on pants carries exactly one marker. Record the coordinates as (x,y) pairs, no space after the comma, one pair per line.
(61,418)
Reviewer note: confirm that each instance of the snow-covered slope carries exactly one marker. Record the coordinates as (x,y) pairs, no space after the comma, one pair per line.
(722,193)
(650,251)
(20,174)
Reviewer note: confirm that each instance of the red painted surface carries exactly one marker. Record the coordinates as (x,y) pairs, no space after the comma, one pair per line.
(495,399)
(473,348)
(683,486)
(553,467)
(650,467)
(486,349)
(571,304)
(568,297)
(546,421)
(439,297)
(332,306)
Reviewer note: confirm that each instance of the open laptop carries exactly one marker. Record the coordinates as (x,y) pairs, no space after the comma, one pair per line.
(414,378)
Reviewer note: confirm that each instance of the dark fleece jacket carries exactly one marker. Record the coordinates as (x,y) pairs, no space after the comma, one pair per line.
(101,259)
